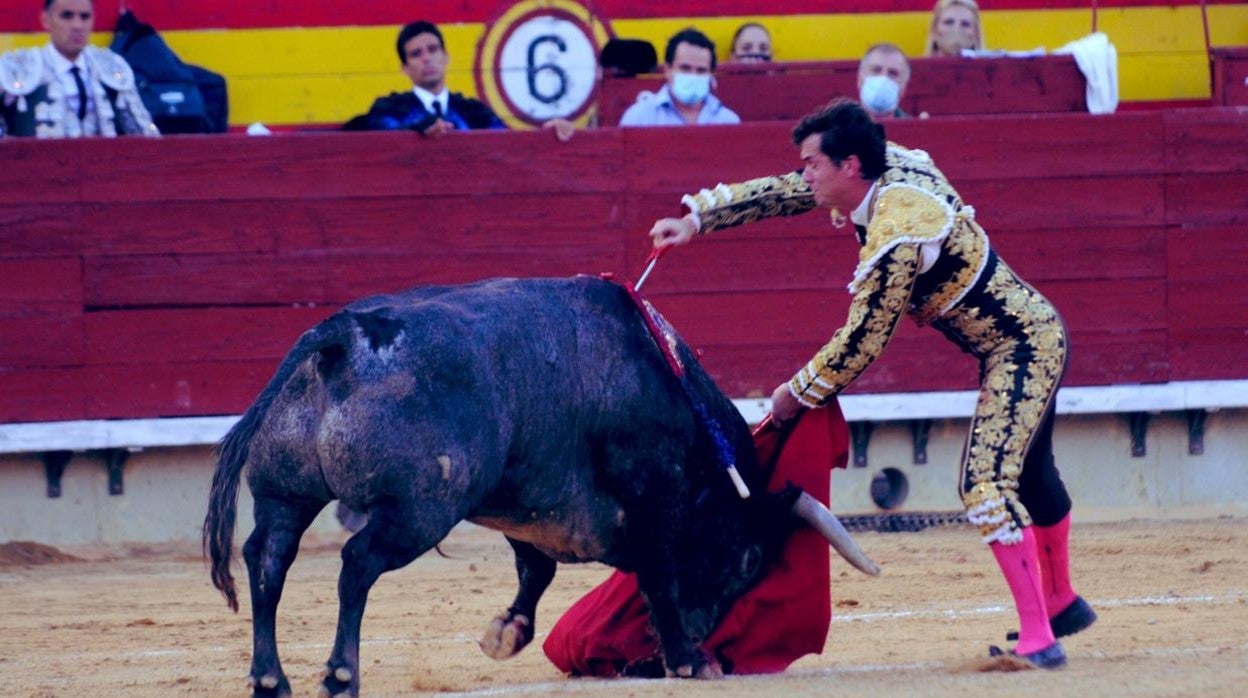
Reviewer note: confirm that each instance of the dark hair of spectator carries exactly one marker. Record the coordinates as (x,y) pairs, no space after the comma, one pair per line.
(688,35)
(47,4)
(415,29)
(846,129)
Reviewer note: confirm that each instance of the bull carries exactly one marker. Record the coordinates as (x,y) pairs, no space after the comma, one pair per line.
(541,408)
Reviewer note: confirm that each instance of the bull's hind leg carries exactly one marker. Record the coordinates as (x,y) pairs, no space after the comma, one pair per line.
(394,536)
(512,630)
(269,551)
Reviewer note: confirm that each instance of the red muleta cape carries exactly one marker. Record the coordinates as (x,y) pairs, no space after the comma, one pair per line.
(607,632)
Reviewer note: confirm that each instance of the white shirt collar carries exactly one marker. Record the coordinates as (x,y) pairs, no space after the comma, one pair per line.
(427,98)
(862,214)
(61,64)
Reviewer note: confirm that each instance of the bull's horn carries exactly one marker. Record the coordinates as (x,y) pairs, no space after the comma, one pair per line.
(813,512)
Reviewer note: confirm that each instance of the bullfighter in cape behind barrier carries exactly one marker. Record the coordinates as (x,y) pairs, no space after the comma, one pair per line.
(68,88)
(923,254)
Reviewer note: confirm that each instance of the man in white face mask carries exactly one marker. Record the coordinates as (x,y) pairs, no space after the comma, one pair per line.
(882,77)
(686,99)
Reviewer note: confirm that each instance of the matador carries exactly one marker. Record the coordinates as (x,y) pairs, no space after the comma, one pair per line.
(923,254)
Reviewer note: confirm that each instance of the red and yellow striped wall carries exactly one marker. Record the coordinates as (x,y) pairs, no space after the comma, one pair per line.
(320,62)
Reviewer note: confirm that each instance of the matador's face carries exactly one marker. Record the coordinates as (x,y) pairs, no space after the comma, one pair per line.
(833,185)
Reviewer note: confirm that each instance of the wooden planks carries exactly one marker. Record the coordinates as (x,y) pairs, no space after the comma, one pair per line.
(44,394)
(1230,76)
(1207,224)
(41,313)
(173,388)
(173,286)
(1207,309)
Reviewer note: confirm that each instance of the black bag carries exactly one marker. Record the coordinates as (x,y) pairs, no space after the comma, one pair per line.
(216,98)
(181,98)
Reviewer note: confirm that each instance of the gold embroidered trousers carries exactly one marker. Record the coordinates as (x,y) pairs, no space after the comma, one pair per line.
(1021,345)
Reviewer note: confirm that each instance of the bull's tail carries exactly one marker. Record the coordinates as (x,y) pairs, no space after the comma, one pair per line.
(232,452)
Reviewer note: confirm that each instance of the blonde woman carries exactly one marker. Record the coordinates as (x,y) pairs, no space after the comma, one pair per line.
(955,26)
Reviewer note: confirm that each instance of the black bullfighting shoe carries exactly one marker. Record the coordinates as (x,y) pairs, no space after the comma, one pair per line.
(1076,617)
(1051,657)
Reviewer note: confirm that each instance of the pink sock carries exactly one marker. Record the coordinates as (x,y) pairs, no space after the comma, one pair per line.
(1052,545)
(1021,567)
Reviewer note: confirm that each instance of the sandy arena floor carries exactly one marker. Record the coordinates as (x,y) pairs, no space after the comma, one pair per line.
(143,621)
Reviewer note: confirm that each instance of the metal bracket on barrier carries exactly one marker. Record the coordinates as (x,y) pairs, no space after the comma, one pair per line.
(919,430)
(860,435)
(115,461)
(54,464)
(1196,432)
(1139,430)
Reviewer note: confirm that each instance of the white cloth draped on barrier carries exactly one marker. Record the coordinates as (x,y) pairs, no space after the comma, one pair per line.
(1098,59)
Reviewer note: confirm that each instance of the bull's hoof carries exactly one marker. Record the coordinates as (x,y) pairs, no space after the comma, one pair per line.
(703,670)
(338,683)
(648,668)
(506,635)
(269,686)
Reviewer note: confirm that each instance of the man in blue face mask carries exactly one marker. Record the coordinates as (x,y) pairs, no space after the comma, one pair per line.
(686,98)
(882,77)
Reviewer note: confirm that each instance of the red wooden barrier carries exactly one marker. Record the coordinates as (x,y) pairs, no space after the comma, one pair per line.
(158,278)
(938,86)
(1230,76)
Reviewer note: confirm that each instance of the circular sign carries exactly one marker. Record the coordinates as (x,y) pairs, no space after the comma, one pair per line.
(539,61)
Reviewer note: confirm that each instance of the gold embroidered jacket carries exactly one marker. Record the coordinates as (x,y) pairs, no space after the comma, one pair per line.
(913,207)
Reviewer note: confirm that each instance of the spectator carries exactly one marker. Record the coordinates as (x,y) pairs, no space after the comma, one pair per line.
(686,97)
(751,44)
(882,77)
(429,107)
(955,26)
(68,88)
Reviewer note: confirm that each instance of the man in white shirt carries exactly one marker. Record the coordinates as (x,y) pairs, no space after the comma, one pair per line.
(686,99)
(68,88)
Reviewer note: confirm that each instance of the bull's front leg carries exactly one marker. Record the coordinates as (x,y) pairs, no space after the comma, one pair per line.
(513,629)
(683,657)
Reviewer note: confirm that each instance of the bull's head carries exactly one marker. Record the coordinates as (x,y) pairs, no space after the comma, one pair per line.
(728,557)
